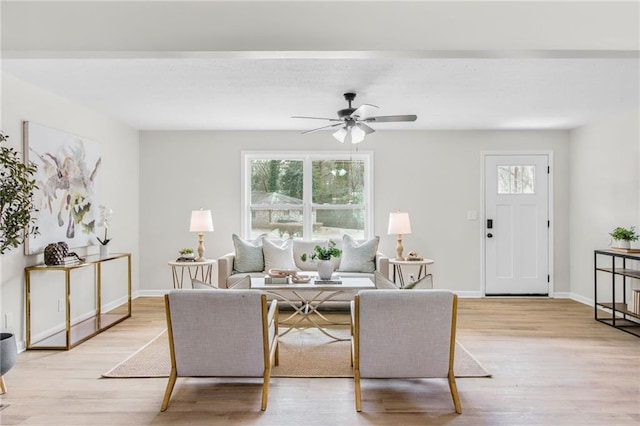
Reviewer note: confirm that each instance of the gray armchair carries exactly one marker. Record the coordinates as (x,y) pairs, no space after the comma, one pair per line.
(404,334)
(208,329)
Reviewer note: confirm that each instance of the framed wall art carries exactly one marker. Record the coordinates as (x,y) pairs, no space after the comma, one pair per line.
(67,178)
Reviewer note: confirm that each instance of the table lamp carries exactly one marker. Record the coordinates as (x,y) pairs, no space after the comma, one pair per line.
(201,222)
(399,224)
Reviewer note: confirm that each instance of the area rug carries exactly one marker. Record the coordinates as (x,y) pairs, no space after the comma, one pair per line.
(303,353)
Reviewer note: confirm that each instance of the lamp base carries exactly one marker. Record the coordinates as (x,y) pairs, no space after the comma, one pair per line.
(200,257)
(399,248)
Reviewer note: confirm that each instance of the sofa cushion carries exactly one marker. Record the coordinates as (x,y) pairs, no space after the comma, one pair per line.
(358,256)
(278,255)
(248,256)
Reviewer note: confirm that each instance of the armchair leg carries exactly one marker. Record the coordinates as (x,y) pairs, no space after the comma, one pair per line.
(167,393)
(3,387)
(356,377)
(265,389)
(454,392)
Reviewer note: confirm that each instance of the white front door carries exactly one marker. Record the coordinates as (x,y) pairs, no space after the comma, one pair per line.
(516,225)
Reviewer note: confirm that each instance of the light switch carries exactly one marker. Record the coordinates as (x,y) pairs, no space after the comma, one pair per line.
(472,215)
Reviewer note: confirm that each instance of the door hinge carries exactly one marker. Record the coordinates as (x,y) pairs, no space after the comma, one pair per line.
(548,224)
(548,169)
(548,278)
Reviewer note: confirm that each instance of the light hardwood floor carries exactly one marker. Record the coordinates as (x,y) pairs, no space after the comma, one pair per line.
(552,364)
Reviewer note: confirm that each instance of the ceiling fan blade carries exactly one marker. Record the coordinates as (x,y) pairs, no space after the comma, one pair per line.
(321,128)
(363,111)
(390,118)
(317,118)
(366,129)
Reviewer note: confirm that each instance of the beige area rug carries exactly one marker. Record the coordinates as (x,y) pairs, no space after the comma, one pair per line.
(303,353)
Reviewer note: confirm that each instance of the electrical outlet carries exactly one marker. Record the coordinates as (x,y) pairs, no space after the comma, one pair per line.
(8,320)
(60,305)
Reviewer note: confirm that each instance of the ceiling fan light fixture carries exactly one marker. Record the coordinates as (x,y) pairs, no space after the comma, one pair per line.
(341,134)
(357,134)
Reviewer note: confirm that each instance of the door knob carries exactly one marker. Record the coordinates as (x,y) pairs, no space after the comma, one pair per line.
(489,235)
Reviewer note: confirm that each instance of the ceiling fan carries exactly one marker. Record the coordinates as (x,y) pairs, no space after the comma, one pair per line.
(352,122)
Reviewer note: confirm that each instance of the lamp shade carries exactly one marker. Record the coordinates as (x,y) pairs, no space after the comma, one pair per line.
(201,221)
(399,223)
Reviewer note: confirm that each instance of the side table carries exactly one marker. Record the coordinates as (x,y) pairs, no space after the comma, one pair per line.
(204,268)
(422,271)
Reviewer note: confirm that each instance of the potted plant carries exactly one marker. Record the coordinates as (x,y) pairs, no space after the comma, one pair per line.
(624,236)
(105,220)
(324,256)
(186,254)
(16,198)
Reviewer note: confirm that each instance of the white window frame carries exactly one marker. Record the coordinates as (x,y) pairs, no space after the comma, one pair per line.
(307,206)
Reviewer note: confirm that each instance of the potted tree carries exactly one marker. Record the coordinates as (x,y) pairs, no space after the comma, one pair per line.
(324,256)
(16,198)
(16,224)
(623,237)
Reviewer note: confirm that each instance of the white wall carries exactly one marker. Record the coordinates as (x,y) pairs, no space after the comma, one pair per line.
(605,190)
(434,175)
(120,158)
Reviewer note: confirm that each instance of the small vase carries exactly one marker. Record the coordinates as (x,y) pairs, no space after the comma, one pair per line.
(623,244)
(325,269)
(104,250)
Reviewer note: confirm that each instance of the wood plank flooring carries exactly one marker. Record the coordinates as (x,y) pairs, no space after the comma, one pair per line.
(552,364)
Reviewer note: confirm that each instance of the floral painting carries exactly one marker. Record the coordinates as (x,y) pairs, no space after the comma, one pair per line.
(67,179)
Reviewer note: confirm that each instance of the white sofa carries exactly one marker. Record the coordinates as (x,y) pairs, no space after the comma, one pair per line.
(228,265)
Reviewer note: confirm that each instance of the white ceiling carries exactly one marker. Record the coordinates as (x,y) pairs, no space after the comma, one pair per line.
(207,65)
(262,94)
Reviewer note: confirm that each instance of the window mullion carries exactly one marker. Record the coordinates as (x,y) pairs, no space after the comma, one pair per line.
(307,198)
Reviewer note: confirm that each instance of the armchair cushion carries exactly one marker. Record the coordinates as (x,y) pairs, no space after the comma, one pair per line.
(359,257)
(248,255)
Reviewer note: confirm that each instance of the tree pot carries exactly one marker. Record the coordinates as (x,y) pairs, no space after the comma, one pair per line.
(8,355)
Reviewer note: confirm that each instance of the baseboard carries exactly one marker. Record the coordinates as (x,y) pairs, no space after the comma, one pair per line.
(585,300)
(469,294)
(152,293)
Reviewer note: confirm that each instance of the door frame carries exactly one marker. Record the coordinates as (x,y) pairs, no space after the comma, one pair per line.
(483,214)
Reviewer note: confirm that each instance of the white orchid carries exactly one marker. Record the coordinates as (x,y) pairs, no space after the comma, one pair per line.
(105,219)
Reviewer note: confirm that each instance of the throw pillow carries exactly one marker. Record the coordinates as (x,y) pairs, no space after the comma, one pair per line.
(383,283)
(279,256)
(358,257)
(248,256)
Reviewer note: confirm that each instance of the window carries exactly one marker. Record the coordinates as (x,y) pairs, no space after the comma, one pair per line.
(307,195)
(516,179)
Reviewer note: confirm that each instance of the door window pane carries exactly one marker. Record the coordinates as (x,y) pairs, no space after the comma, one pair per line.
(516,179)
